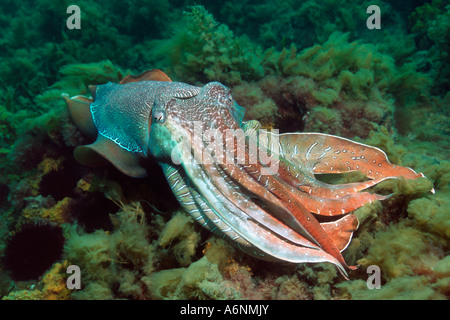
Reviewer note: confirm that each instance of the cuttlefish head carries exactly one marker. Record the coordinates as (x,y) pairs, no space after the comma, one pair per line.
(180,122)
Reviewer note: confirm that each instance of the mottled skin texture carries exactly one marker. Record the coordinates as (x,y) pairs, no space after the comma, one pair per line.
(269,216)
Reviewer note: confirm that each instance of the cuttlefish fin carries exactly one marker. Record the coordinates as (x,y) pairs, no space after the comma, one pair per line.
(149,75)
(103,149)
(341,231)
(80,114)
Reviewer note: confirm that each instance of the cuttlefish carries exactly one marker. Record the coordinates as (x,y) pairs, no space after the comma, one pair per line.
(256,187)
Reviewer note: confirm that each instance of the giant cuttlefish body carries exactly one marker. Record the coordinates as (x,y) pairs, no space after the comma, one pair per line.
(255,187)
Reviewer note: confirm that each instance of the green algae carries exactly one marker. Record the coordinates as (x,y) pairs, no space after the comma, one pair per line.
(200,280)
(203,50)
(431,214)
(431,25)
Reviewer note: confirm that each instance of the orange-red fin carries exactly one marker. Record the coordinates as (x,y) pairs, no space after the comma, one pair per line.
(149,75)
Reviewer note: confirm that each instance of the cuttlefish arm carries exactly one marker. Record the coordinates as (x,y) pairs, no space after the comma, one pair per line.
(324,153)
(232,212)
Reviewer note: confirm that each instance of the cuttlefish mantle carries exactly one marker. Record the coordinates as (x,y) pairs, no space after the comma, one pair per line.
(119,120)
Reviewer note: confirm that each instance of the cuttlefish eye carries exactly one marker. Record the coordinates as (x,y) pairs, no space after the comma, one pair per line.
(227,98)
(159,116)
